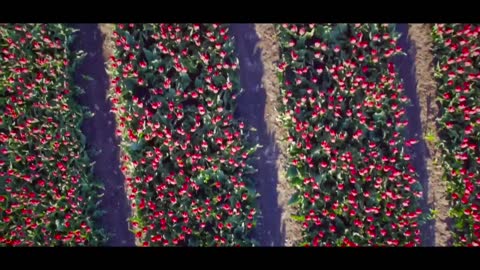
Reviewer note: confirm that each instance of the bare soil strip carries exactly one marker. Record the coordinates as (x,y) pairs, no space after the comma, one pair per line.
(405,65)
(100,133)
(251,108)
(420,35)
(270,55)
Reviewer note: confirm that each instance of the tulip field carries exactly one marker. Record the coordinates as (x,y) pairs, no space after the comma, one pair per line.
(339,111)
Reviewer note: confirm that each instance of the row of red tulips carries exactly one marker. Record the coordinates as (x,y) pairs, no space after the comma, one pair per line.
(344,107)
(457,50)
(47,194)
(173,89)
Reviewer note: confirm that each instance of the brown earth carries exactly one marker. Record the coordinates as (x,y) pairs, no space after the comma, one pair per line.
(270,55)
(420,34)
(108,45)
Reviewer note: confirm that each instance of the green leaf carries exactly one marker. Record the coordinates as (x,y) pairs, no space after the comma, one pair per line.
(430,137)
(59,225)
(99,213)
(298,218)
(459,225)
(87,78)
(320,178)
(218,80)
(130,39)
(199,82)
(89,114)
(295,199)
(189,64)
(379,117)
(150,56)
(311,33)
(130,83)
(184,81)
(136,146)
(292,172)
(193,242)
(340,225)
(296,181)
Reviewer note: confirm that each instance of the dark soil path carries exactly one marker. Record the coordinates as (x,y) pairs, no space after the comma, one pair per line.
(406,67)
(420,35)
(270,52)
(251,108)
(100,133)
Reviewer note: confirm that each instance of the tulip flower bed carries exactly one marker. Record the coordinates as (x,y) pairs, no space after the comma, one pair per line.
(173,91)
(47,195)
(457,50)
(344,107)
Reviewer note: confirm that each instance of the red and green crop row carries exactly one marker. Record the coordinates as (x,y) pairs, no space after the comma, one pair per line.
(344,107)
(457,50)
(47,195)
(173,89)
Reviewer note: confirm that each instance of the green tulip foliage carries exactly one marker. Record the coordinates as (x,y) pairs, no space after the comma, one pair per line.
(456,51)
(344,106)
(47,194)
(186,159)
